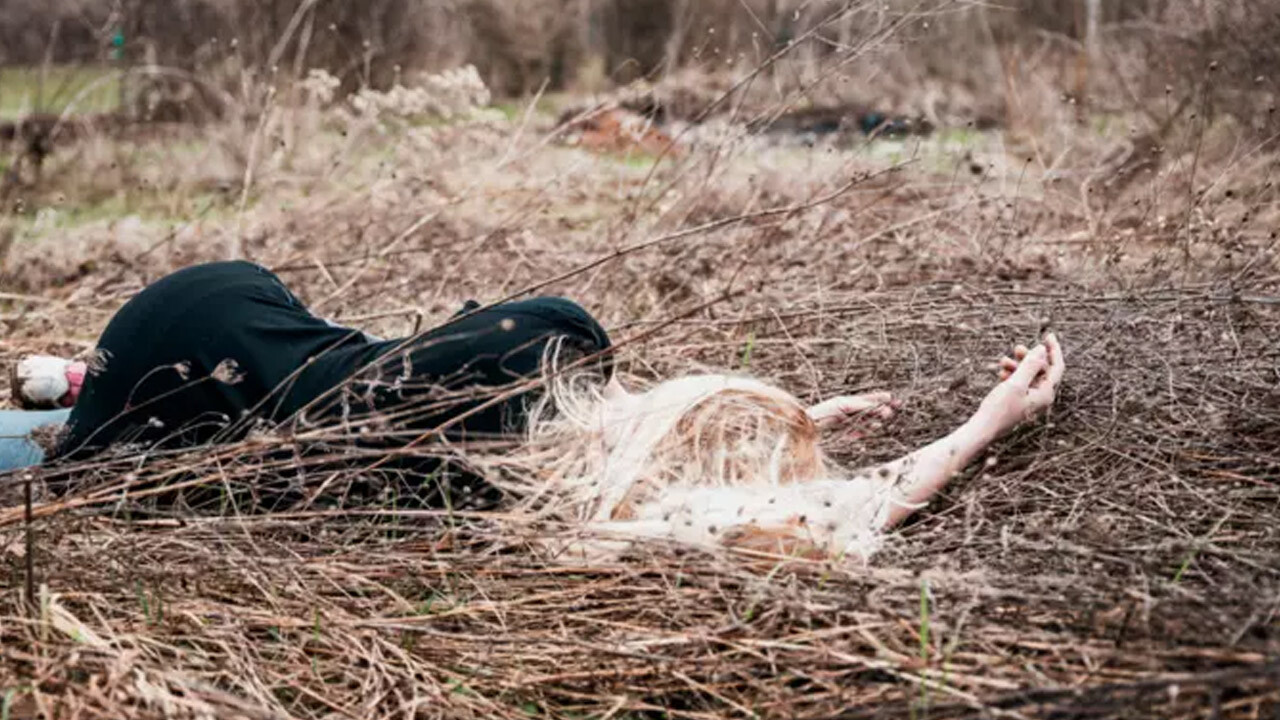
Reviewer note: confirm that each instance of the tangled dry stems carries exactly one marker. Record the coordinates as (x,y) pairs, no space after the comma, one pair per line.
(1116,560)
(1120,559)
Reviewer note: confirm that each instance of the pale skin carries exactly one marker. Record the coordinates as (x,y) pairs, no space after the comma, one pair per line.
(1028,384)
(835,517)
(832,515)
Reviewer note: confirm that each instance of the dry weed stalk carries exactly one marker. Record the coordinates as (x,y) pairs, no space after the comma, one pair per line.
(1119,560)
(1123,547)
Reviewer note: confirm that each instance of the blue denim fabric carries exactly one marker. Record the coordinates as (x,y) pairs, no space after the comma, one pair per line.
(16,448)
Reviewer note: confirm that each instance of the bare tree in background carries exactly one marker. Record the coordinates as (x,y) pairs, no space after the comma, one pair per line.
(1088,61)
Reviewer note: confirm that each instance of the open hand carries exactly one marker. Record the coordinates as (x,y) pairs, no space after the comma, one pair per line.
(1028,385)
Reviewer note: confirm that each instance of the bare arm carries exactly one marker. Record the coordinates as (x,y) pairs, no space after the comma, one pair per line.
(917,477)
(1028,387)
(835,517)
(838,410)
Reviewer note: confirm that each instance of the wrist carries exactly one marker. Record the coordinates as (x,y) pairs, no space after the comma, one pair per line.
(985,427)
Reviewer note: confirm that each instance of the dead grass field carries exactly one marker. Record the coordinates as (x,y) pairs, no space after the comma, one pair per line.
(1120,559)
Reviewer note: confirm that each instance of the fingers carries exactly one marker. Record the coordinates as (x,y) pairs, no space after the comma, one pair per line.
(1044,389)
(1057,364)
(1007,366)
(1044,392)
(1035,362)
(1033,377)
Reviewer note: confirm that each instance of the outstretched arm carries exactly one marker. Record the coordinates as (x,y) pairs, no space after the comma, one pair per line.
(1028,385)
(836,517)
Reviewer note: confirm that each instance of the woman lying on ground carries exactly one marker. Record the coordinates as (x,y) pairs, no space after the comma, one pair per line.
(209,352)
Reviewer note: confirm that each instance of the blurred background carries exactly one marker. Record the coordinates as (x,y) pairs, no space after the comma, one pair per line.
(1097,93)
(836,196)
(916,56)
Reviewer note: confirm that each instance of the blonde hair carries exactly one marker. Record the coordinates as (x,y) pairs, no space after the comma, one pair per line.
(694,431)
(702,458)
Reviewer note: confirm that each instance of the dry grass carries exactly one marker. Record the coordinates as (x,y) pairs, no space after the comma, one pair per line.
(1121,559)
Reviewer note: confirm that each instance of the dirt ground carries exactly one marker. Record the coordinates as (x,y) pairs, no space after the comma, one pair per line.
(1119,559)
